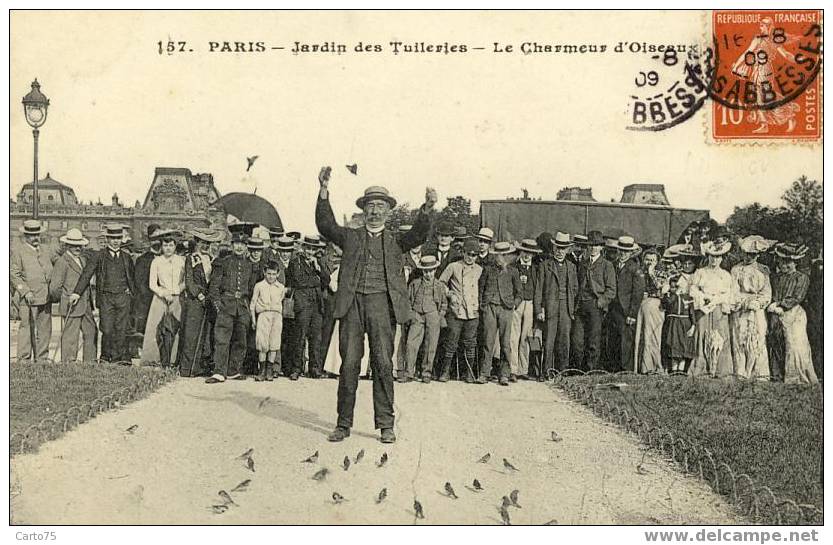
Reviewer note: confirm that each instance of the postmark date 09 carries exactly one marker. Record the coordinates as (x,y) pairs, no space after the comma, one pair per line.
(35,536)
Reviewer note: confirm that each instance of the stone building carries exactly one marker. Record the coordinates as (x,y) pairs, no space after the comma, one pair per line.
(645,194)
(575,194)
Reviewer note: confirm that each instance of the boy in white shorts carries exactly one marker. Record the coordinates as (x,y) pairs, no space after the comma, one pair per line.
(267,320)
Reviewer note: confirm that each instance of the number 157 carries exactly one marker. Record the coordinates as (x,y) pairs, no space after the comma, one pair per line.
(171,47)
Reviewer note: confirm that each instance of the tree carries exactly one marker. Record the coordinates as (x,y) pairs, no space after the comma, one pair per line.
(458,212)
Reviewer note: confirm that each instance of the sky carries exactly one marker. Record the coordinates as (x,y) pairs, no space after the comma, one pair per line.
(480,124)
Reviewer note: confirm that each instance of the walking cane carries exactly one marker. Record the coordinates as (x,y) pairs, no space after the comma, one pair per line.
(199,340)
(63,330)
(32,337)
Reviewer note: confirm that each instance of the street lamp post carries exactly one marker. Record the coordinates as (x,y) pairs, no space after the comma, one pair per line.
(35,105)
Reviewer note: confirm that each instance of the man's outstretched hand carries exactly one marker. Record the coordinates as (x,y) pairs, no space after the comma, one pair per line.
(324,176)
(430,198)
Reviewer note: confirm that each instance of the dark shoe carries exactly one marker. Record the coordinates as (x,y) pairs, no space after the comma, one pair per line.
(339,434)
(443,378)
(469,380)
(403,380)
(293,376)
(481,380)
(541,379)
(513,378)
(503,381)
(388,436)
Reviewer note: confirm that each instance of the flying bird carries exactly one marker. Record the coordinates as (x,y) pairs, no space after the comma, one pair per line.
(383,460)
(250,464)
(263,402)
(354,168)
(505,502)
(508,465)
(504,515)
(450,491)
(556,438)
(226,497)
(132,428)
(312,459)
(477,486)
(242,486)
(485,458)
(513,497)
(337,498)
(247,454)
(359,456)
(382,495)
(219,509)
(321,474)
(251,160)
(418,509)
(346,463)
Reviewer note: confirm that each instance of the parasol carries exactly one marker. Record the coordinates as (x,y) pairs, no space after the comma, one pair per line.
(165,334)
(247,207)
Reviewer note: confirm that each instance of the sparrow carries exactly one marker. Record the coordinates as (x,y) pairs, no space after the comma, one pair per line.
(556,438)
(250,464)
(485,458)
(337,498)
(219,509)
(359,456)
(346,463)
(251,160)
(132,428)
(320,474)
(506,502)
(382,495)
(513,497)
(354,168)
(383,460)
(226,497)
(247,454)
(242,486)
(263,402)
(641,470)
(450,491)
(504,515)
(312,459)
(418,509)
(509,466)
(477,486)
(553,522)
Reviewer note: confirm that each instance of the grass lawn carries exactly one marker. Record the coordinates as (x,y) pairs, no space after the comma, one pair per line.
(39,391)
(771,431)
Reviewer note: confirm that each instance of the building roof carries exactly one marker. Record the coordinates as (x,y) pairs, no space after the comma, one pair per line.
(645,187)
(47,182)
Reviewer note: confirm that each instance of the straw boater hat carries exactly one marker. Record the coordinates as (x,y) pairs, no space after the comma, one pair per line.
(294,235)
(485,234)
(428,262)
(580,240)
(115,230)
(313,241)
(74,237)
(627,243)
(755,244)
(405,228)
(711,248)
(375,192)
(561,240)
(502,248)
(286,244)
(276,232)
(530,246)
(31,227)
(255,243)
(790,251)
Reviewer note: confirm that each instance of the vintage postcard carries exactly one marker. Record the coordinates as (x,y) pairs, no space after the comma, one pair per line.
(519,268)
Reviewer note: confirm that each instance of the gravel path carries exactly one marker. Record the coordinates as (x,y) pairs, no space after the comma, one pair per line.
(170,469)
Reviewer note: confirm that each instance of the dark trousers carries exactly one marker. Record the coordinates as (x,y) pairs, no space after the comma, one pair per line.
(328,325)
(369,315)
(230,329)
(308,322)
(194,339)
(620,339)
(497,323)
(288,343)
(587,335)
(460,332)
(114,311)
(557,337)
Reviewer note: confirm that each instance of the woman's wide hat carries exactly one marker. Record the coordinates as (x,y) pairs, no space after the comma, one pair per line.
(790,251)
(755,244)
(711,248)
(375,192)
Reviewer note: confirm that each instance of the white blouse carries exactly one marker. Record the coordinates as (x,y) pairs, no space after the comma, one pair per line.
(167,275)
(714,284)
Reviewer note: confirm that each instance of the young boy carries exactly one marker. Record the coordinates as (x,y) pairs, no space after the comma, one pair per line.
(428,298)
(267,320)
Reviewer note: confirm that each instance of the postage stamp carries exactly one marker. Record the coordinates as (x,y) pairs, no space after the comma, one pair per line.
(764,75)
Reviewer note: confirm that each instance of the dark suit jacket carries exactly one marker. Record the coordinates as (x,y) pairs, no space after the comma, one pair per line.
(95,266)
(353,243)
(630,288)
(196,281)
(602,279)
(547,280)
(508,284)
(143,296)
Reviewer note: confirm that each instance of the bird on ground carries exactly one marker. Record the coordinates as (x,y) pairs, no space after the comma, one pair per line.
(555,437)
(251,160)
(219,509)
(552,522)
(504,515)
(477,486)
(247,454)
(226,497)
(449,490)
(346,463)
(506,502)
(485,458)
(418,509)
(263,402)
(359,456)
(383,460)
(243,486)
(321,474)
(382,495)
(354,168)
(338,498)
(250,464)
(641,470)
(312,459)
(508,465)
(132,428)
(513,497)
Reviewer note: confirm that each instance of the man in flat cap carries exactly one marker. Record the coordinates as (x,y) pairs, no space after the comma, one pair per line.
(371,296)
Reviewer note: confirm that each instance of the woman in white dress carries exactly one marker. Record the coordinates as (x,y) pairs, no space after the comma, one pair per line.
(711,289)
(751,293)
(647,344)
(167,282)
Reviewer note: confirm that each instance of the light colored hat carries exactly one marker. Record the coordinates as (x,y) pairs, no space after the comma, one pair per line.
(682,250)
(116,230)
(485,234)
(502,248)
(255,243)
(276,232)
(711,248)
(581,240)
(74,237)
(313,241)
(561,240)
(755,244)
(405,228)
(375,192)
(626,243)
(286,244)
(31,227)
(529,245)
(161,233)
(428,262)
(203,233)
